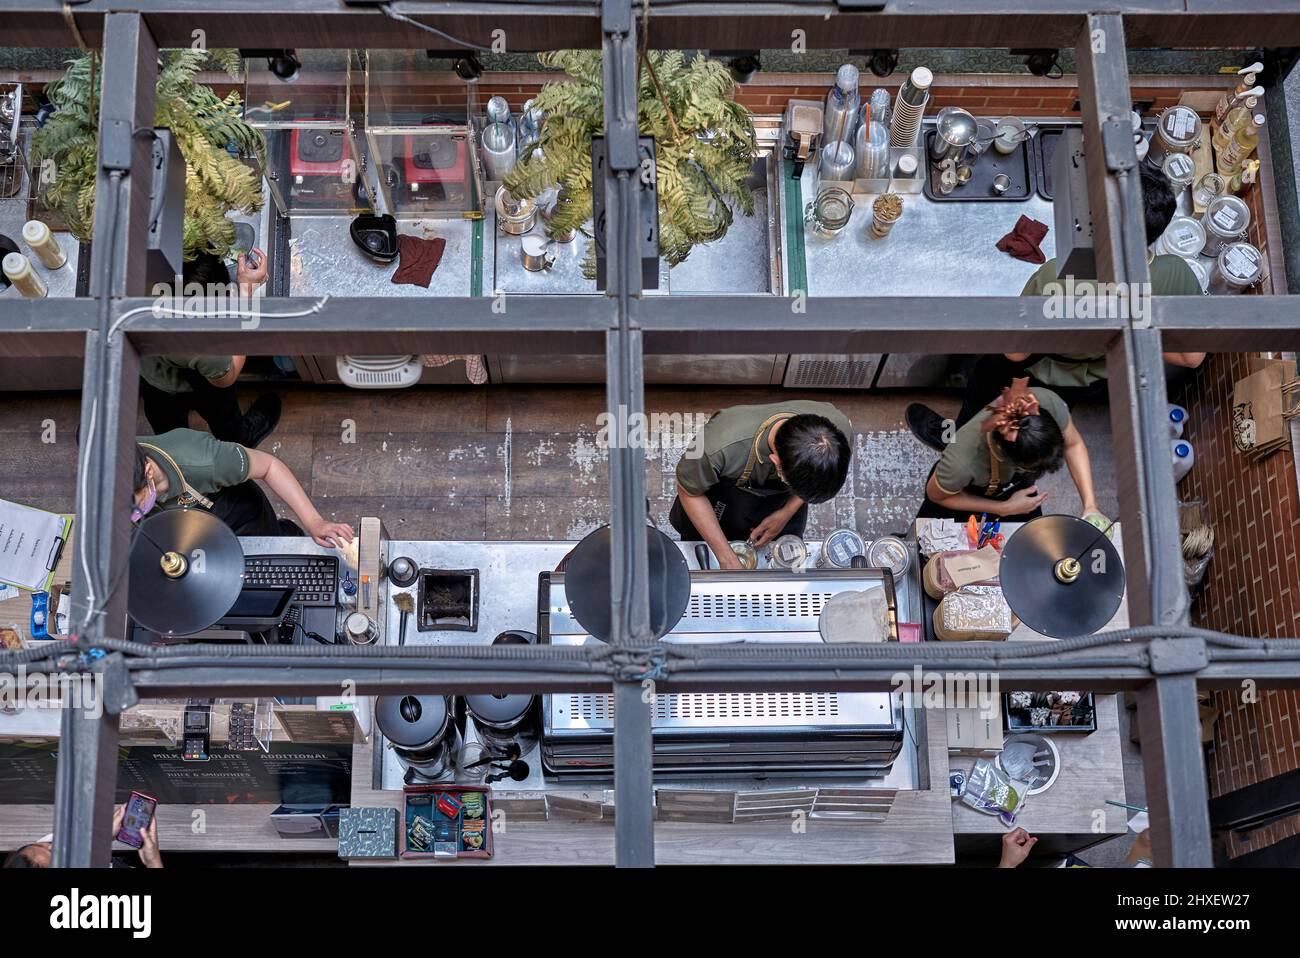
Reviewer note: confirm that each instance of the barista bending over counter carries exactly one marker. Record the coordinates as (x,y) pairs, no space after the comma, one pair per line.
(186,468)
(993,462)
(752,471)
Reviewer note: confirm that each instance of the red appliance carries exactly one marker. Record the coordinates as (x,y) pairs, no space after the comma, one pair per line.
(319,162)
(434,170)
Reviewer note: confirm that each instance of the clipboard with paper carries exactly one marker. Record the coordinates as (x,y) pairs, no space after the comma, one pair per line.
(31,543)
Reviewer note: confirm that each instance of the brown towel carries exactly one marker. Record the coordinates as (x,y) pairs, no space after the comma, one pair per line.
(418,259)
(1022,242)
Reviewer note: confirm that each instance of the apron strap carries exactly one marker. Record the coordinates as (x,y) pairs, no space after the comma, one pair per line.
(189,495)
(994,478)
(753,452)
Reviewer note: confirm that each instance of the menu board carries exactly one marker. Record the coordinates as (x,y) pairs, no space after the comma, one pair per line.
(289,773)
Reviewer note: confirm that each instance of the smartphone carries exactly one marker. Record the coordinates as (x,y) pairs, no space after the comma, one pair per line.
(139,812)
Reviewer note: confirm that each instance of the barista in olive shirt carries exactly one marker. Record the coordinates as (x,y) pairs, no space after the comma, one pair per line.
(1075,378)
(186,468)
(994,461)
(751,472)
(173,385)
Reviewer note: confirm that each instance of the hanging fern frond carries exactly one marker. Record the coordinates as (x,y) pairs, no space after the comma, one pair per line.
(209,130)
(704,145)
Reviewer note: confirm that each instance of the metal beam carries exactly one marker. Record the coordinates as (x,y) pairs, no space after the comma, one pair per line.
(1173,764)
(629,576)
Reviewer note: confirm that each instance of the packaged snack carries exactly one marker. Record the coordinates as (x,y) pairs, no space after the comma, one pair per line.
(991,790)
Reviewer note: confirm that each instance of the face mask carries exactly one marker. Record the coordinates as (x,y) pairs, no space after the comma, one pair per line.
(150,500)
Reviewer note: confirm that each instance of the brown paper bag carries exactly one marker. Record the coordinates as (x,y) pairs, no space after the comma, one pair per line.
(1259,426)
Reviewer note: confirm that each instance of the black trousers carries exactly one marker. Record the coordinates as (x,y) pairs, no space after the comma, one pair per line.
(219,407)
(738,512)
(247,511)
(993,372)
(932,510)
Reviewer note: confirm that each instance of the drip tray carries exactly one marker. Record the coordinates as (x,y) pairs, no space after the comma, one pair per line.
(448,600)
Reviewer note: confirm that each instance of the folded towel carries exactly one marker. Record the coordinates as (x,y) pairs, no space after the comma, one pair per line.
(1022,242)
(419,258)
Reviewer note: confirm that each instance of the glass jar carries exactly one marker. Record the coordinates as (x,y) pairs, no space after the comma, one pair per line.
(829,213)
(1208,188)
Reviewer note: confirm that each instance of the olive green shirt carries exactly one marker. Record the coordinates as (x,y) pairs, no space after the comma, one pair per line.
(965,461)
(195,459)
(1170,276)
(167,372)
(721,449)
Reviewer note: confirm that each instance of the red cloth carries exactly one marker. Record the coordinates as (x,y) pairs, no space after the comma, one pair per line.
(1022,242)
(418,259)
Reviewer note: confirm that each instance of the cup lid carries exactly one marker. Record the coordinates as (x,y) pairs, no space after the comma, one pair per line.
(922,77)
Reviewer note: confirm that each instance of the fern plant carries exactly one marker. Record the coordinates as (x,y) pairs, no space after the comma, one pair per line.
(704,146)
(216,182)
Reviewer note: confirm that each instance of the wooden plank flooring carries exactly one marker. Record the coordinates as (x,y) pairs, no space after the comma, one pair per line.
(512,462)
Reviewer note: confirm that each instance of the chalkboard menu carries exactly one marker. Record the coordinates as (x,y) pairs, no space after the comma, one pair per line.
(289,773)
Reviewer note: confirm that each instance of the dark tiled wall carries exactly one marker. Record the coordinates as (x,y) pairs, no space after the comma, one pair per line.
(1252,585)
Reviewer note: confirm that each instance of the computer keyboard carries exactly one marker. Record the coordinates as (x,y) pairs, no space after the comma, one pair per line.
(314,579)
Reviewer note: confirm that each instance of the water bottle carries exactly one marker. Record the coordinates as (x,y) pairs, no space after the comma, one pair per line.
(1184,456)
(1177,420)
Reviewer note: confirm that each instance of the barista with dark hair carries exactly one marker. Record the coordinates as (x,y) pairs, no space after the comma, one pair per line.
(1075,378)
(994,461)
(173,385)
(186,468)
(752,471)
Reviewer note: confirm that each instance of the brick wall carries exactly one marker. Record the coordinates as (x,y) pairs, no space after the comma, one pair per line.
(1252,585)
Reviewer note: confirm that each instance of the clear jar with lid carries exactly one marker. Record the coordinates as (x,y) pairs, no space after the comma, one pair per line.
(1202,274)
(789,552)
(1239,267)
(1177,131)
(1226,220)
(1184,236)
(1179,170)
(1208,188)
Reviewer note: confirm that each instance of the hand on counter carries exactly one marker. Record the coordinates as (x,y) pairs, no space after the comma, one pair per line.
(329,534)
(771,527)
(1024,500)
(729,560)
(1016,846)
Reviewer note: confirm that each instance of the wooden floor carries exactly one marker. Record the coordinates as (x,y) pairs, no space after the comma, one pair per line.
(511,462)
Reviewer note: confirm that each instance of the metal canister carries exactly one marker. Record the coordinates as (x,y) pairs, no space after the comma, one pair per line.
(421,732)
(514,216)
(1239,266)
(745,553)
(360,629)
(1226,220)
(789,552)
(889,552)
(1184,236)
(839,549)
(505,720)
(954,131)
(1177,131)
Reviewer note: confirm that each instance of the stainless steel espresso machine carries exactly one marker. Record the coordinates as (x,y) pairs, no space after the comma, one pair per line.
(853,733)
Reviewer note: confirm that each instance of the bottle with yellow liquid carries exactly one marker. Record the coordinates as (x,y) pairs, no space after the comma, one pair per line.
(1235,119)
(1244,141)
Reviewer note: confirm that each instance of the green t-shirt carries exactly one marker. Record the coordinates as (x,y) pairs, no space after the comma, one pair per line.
(194,459)
(965,460)
(166,372)
(1170,276)
(721,449)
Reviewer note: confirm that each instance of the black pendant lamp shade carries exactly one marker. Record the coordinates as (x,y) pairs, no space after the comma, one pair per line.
(1061,576)
(186,572)
(587,583)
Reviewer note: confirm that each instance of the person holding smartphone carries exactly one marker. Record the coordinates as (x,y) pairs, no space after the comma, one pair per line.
(40,854)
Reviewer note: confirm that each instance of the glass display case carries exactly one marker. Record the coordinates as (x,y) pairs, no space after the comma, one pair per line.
(316,161)
(420,132)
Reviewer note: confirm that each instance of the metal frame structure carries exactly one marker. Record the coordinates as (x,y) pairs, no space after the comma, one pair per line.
(1161,659)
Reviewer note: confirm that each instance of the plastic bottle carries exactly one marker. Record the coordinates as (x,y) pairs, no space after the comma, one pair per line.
(1183,456)
(18,270)
(841,112)
(42,242)
(1226,102)
(1177,420)
(1240,149)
